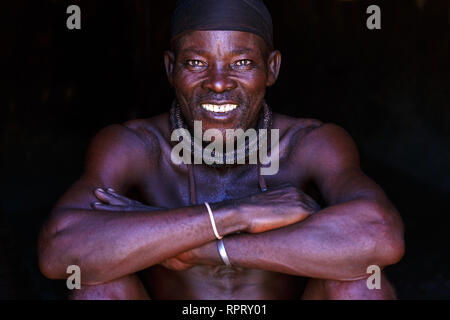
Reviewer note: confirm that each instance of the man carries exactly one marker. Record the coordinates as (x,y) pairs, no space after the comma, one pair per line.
(276,237)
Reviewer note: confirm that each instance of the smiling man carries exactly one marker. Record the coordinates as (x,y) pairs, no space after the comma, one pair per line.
(222,231)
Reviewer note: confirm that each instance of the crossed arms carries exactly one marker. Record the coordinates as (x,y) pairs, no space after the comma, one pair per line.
(279,231)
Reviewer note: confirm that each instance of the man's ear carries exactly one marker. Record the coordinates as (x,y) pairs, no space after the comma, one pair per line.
(169,62)
(274,64)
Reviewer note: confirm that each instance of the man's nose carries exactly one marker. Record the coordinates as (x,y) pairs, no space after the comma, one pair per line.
(219,81)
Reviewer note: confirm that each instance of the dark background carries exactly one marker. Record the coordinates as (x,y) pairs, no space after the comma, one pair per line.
(389,88)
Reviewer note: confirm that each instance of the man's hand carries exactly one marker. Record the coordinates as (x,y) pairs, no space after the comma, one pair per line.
(113,201)
(266,211)
(206,254)
(276,208)
(180,262)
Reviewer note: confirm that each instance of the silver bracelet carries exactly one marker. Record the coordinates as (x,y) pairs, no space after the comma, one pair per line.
(223,253)
(213,223)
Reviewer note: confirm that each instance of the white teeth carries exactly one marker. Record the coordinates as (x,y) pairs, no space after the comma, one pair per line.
(219,108)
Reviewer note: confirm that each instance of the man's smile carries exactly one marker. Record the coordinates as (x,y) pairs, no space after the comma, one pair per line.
(219,108)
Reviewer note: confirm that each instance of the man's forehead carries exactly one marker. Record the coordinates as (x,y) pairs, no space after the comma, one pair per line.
(236,42)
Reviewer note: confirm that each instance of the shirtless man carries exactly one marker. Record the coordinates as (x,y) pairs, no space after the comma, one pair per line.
(280,243)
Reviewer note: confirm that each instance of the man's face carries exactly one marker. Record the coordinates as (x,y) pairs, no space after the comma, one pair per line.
(220,77)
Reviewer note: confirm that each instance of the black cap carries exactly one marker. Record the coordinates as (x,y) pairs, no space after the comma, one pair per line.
(236,15)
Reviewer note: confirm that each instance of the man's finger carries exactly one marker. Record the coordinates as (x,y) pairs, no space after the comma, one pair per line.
(106,197)
(120,197)
(106,207)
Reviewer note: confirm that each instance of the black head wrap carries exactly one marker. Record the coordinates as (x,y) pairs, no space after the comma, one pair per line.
(235,15)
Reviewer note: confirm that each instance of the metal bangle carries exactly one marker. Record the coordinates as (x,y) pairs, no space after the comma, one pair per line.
(223,253)
(213,223)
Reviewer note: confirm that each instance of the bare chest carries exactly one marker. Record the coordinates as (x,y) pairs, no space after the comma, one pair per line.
(172,189)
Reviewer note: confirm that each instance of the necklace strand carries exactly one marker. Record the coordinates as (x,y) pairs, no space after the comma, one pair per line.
(251,145)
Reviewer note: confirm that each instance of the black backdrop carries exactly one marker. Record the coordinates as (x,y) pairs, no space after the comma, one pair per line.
(389,88)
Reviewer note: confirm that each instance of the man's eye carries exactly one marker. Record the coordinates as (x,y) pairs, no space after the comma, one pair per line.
(195,63)
(243,63)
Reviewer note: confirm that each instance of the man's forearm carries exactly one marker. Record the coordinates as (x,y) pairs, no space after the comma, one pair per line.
(109,245)
(336,243)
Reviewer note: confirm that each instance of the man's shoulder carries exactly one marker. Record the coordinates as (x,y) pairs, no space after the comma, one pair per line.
(308,135)
(134,137)
(294,129)
(287,124)
(153,131)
